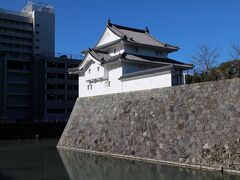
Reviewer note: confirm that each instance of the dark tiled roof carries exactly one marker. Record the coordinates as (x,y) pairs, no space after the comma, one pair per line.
(102,56)
(73,70)
(155,60)
(105,58)
(151,59)
(138,36)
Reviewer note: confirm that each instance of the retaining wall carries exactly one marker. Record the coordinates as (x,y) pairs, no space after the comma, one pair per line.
(192,125)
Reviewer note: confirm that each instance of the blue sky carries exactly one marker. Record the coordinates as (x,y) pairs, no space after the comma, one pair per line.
(185,23)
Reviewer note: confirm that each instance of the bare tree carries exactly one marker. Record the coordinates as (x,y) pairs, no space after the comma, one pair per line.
(235,51)
(205,58)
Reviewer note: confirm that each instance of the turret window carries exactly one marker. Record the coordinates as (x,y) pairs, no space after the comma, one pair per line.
(89,87)
(158,53)
(136,49)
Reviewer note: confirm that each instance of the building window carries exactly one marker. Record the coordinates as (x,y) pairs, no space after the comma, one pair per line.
(61,76)
(51,75)
(136,49)
(55,111)
(61,97)
(50,97)
(37,32)
(37,40)
(89,87)
(70,76)
(70,65)
(98,68)
(37,25)
(51,86)
(60,86)
(70,87)
(75,77)
(70,98)
(158,53)
(107,84)
(114,51)
(61,65)
(89,71)
(51,64)
(37,47)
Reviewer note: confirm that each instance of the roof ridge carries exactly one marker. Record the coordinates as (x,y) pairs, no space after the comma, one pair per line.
(115,31)
(127,28)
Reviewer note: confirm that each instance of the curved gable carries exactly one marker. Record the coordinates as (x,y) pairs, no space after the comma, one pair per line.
(88,58)
(107,37)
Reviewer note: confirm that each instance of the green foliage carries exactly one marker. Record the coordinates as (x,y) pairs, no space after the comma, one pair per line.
(226,70)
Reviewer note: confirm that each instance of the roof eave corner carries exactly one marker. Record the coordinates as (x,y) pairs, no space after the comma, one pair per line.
(174,49)
(184,66)
(74,70)
(109,24)
(177,48)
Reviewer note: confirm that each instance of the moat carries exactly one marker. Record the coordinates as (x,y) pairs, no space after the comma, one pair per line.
(23,160)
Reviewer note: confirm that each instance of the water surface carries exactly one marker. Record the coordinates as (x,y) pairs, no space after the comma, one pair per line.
(31,160)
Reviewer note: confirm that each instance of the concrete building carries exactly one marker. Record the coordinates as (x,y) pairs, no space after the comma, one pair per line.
(27,44)
(128,59)
(54,90)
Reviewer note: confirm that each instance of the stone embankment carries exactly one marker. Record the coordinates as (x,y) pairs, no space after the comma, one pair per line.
(192,125)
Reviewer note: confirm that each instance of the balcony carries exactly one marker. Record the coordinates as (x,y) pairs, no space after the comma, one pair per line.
(13,41)
(15,26)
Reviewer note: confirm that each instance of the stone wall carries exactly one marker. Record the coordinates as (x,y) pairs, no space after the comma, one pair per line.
(196,125)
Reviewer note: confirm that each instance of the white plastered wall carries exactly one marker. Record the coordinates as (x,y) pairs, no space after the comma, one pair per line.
(147,82)
(109,84)
(152,81)
(108,36)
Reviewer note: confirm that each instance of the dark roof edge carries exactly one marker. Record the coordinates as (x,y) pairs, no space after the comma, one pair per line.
(146,72)
(115,31)
(75,70)
(169,48)
(184,66)
(107,44)
(159,47)
(127,28)
(94,54)
(114,58)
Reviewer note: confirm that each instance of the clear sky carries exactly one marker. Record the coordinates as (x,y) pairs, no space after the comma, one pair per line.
(185,23)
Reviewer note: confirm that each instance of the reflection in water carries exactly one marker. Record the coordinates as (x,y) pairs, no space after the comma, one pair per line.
(31,160)
(94,167)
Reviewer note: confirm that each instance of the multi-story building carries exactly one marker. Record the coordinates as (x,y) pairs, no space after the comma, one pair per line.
(27,45)
(55,91)
(128,59)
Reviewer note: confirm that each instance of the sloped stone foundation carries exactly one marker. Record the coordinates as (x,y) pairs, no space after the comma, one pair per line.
(192,125)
